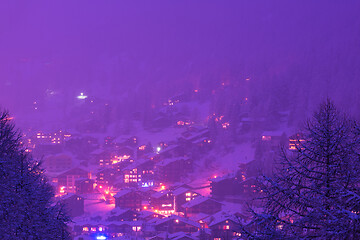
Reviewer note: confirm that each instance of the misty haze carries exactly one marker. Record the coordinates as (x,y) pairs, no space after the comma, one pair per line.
(180,120)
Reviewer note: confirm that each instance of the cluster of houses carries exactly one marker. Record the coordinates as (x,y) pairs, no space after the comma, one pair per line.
(144,184)
(175,213)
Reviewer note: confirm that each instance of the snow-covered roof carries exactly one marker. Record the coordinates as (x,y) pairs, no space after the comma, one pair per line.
(118,211)
(181,219)
(160,235)
(227,176)
(109,223)
(189,136)
(136,164)
(180,235)
(199,216)
(122,193)
(160,194)
(70,195)
(145,214)
(221,217)
(170,160)
(197,234)
(198,200)
(180,190)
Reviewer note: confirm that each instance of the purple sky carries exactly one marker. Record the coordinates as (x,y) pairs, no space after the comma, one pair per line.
(108,47)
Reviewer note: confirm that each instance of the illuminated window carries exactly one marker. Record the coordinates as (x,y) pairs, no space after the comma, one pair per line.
(188,199)
(85,229)
(101,229)
(188,194)
(266,138)
(93,229)
(135,229)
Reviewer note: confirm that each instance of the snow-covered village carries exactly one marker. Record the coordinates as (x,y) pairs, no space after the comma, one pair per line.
(179,120)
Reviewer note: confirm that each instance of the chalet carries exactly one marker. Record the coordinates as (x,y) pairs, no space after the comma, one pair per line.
(66,180)
(201,218)
(101,157)
(249,186)
(58,163)
(126,142)
(201,204)
(146,195)
(173,169)
(139,173)
(178,185)
(296,142)
(248,123)
(47,149)
(142,150)
(202,144)
(274,138)
(74,204)
(84,185)
(203,233)
(58,137)
(125,227)
(227,185)
(149,215)
(233,185)
(225,227)
(183,195)
(175,223)
(125,151)
(128,198)
(163,202)
(160,236)
(181,236)
(87,228)
(122,214)
(82,146)
(105,177)
(112,229)
(170,150)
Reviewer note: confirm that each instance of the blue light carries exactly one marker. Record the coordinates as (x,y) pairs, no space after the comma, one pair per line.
(147,184)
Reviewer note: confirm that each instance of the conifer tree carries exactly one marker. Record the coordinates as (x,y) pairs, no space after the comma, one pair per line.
(315,191)
(27,210)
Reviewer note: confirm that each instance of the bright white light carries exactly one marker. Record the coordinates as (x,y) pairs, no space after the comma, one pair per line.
(101,237)
(158,149)
(82,96)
